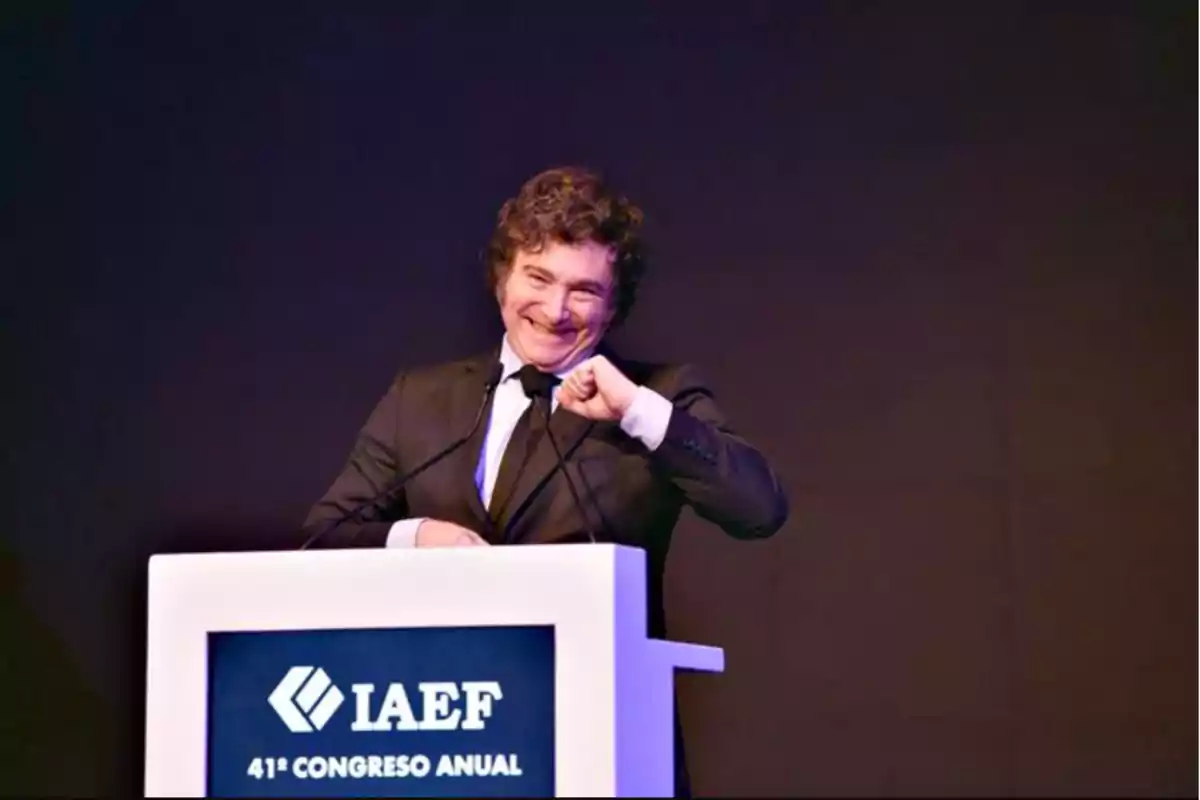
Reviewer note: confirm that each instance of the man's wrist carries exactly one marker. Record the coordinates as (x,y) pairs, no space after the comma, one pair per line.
(647,417)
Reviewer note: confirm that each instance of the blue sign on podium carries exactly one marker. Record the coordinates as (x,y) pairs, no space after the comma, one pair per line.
(403,712)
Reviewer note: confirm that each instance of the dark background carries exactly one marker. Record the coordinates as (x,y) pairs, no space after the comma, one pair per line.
(939,262)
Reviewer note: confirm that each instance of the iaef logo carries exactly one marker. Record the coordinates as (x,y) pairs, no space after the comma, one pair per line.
(306,699)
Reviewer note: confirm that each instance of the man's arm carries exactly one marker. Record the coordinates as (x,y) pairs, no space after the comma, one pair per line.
(370,469)
(721,475)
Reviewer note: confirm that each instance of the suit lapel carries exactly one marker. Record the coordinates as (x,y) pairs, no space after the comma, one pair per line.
(464,404)
(568,430)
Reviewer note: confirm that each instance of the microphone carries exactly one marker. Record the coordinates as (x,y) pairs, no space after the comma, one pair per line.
(492,382)
(541,384)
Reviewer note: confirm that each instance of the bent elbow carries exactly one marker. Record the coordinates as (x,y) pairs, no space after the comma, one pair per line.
(761,518)
(780,512)
(771,517)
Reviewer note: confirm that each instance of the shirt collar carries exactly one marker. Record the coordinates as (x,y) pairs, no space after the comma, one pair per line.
(511,363)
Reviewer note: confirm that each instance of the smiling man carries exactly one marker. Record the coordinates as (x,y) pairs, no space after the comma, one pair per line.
(639,440)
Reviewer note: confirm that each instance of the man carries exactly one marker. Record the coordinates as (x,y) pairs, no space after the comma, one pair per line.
(639,440)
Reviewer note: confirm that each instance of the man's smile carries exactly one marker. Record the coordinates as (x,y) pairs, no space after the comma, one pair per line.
(546,330)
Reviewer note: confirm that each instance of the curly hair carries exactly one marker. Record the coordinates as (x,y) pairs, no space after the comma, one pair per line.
(571,205)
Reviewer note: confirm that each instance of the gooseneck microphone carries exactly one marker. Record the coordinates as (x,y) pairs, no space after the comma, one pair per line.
(492,382)
(541,384)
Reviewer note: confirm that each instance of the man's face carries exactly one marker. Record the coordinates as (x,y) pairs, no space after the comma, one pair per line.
(557,303)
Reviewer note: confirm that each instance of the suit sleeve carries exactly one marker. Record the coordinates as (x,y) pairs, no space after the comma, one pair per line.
(724,478)
(372,466)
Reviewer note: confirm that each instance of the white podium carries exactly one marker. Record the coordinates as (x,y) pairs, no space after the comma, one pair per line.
(483,671)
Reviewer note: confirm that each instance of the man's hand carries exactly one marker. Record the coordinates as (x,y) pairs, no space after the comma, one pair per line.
(597,390)
(436,533)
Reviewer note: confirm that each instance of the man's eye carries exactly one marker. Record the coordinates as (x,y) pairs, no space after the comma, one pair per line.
(538,279)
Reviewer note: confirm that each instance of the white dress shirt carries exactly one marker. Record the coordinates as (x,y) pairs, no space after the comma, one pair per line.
(646,420)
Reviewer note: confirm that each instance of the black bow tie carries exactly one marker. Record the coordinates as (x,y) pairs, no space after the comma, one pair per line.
(536,383)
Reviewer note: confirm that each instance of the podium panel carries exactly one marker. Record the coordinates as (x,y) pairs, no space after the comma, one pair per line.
(471,672)
(429,712)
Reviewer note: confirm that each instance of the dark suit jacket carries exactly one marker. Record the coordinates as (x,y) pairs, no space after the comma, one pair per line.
(631,495)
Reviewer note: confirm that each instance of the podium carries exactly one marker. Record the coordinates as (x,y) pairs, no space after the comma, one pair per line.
(470,672)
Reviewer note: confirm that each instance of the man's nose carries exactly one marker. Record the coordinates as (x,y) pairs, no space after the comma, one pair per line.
(556,307)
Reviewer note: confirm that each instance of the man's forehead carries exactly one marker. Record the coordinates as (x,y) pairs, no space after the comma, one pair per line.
(589,260)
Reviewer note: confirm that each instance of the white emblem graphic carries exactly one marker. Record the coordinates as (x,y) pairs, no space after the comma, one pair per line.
(302,701)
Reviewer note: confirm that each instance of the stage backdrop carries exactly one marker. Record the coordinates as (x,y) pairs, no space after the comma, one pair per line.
(939,262)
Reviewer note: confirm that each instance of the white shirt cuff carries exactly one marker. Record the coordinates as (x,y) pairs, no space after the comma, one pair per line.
(647,417)
(404,532)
